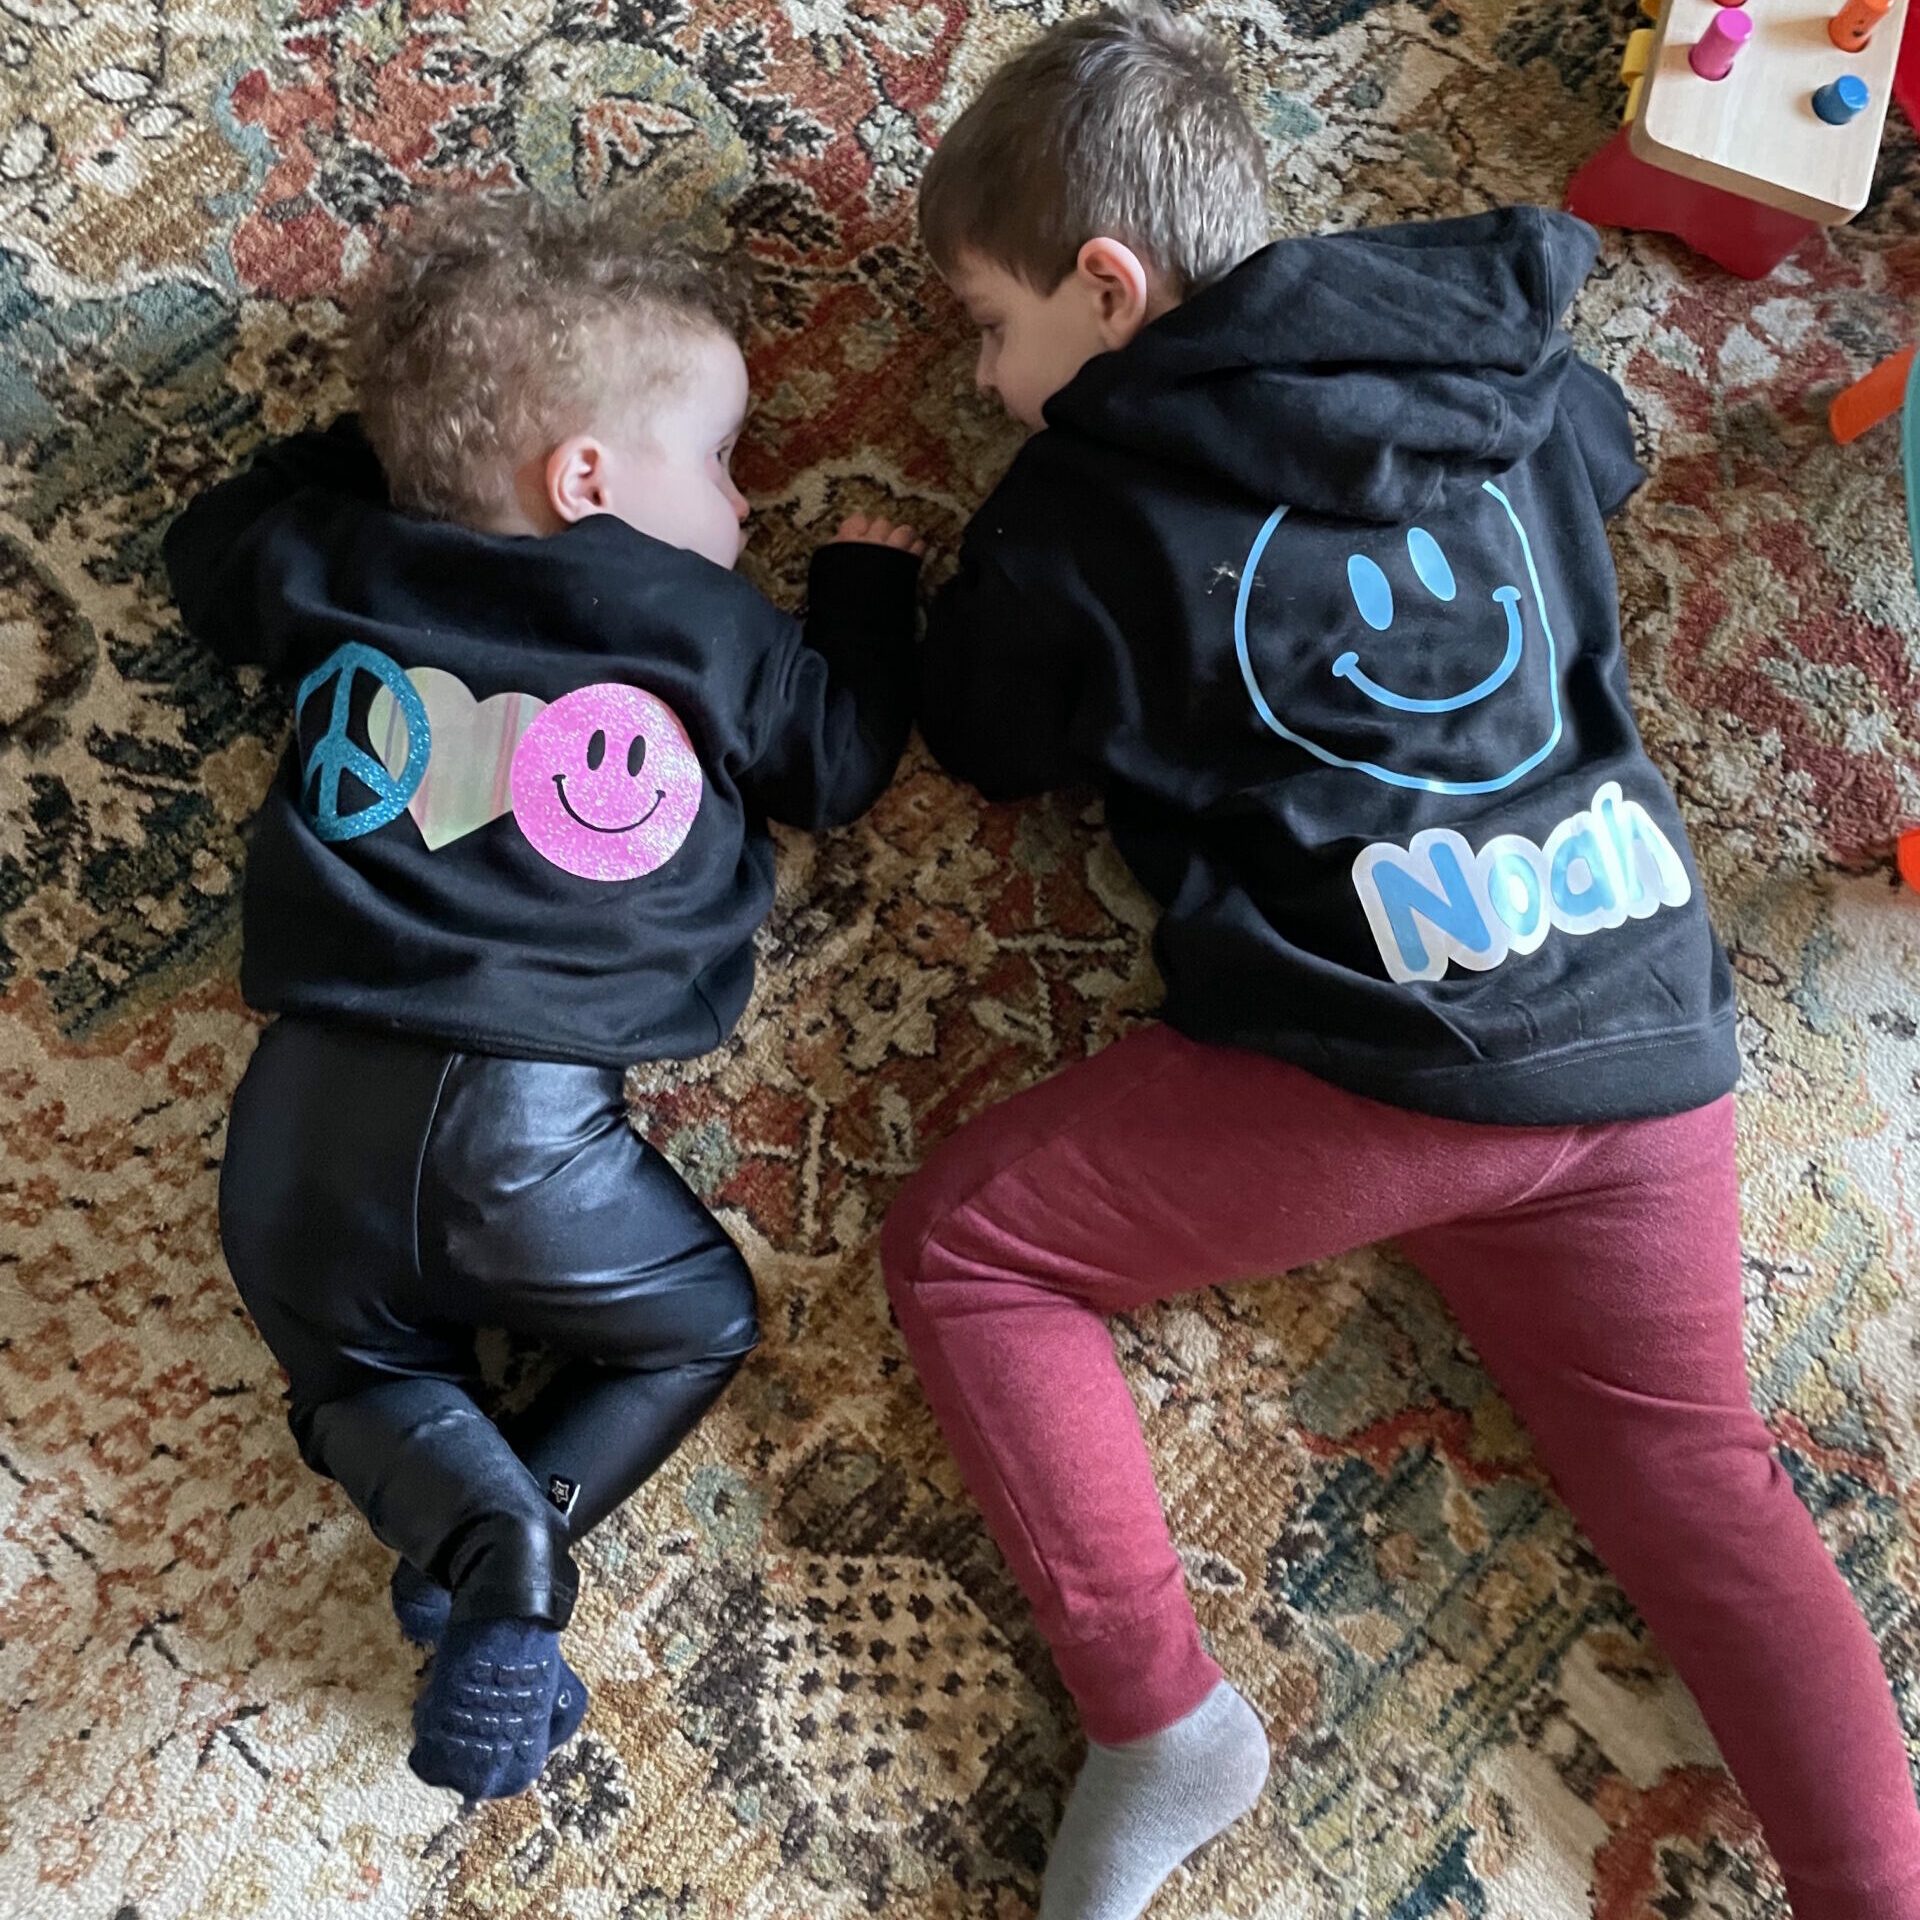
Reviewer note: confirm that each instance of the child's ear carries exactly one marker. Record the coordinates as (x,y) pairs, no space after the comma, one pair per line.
(1117,278)
(575,481)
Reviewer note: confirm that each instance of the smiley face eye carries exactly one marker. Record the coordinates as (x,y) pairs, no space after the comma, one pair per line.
(1371,592)
(636,756)
(1430,563)
(596,750)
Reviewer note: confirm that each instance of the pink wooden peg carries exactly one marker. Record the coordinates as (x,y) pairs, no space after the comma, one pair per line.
(1713,54)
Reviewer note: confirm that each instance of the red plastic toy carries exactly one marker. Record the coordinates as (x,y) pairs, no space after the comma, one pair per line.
(1906,78)
(1614,189)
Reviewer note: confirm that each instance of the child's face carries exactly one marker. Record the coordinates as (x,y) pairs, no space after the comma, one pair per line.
(670,478)
(1031,343)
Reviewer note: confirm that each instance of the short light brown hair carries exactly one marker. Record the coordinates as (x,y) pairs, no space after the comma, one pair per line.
(1124,123)
(497,325)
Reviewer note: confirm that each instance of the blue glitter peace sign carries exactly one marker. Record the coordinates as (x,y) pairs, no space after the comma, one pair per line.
(334,753)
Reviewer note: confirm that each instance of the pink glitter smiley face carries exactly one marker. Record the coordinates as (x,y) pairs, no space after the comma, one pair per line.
(605,783)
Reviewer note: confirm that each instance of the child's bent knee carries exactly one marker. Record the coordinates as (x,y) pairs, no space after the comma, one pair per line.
(919,1211)
(709,1315)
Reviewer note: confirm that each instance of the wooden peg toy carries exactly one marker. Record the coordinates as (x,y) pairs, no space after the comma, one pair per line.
(1839,101)
(1727,101)
(1852,27)
(1633,67)
(1713,54)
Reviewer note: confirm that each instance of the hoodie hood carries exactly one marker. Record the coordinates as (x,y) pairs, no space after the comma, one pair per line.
(1353,374)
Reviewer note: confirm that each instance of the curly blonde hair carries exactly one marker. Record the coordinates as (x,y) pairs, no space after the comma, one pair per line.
(497,325)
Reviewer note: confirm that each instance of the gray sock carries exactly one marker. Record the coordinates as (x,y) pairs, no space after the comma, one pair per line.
(1137,1811)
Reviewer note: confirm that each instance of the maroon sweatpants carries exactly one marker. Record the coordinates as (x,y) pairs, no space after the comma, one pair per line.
(1596,1269)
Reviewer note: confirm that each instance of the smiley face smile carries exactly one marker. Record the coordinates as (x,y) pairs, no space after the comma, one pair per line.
(1348,668)
(593,826)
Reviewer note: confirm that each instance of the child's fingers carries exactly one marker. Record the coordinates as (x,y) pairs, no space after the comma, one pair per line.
(877,530)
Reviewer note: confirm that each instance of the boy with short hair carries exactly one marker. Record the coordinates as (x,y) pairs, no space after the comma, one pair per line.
(518,842)
(1305,567)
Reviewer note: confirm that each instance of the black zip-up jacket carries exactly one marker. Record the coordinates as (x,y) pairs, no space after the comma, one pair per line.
(524,808)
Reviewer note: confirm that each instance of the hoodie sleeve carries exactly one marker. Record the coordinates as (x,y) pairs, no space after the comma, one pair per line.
(212,551)
(999,682)
(839,690)
(1602,426)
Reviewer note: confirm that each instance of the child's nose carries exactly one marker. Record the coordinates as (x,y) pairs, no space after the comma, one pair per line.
(983,371)
(741,506)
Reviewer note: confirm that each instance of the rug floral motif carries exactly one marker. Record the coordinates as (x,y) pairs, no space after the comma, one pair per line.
(816,1693)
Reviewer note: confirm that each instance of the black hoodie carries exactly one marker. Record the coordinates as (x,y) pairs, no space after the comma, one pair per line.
(524,808)
(1312,580)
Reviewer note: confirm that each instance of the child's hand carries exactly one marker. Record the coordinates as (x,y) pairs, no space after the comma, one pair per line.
(879,531)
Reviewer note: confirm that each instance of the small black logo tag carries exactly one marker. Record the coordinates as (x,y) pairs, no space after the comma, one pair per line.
(562,1492)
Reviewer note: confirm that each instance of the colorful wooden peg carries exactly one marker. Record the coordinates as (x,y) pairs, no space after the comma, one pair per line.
(1713,54)
(1839,100)
(1633,62)
(1852,27)
(1651,8)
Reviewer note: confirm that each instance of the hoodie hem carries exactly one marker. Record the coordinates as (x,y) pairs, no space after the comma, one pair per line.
(1652,1076)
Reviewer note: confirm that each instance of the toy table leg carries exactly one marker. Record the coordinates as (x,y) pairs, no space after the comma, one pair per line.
(1614,189)
(1906,77)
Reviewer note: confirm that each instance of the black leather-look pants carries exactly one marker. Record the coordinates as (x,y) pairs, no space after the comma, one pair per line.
(381,1199)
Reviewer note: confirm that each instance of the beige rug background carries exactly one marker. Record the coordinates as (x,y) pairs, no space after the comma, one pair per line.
(815,1693)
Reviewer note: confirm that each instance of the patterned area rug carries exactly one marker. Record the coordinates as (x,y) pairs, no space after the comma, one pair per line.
(816,1693)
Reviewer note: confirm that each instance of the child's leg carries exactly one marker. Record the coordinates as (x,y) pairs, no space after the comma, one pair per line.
(1608,1306)
(317,1220)
(1157,1167)
(317,1207)
(595,1248)
(540,1211)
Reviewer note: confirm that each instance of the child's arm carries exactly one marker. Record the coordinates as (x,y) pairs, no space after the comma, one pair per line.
(998,683)
(211,549)
(1603,427)
(842,688)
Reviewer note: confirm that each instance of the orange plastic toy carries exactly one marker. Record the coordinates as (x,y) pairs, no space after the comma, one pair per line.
(1874,397)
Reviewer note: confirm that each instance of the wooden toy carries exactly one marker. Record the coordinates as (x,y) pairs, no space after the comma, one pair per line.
(1748,124)
(1726,32)
(1852,27)
(1841,100)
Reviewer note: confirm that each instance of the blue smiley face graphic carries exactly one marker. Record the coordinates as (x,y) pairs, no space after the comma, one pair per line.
(1448,682)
